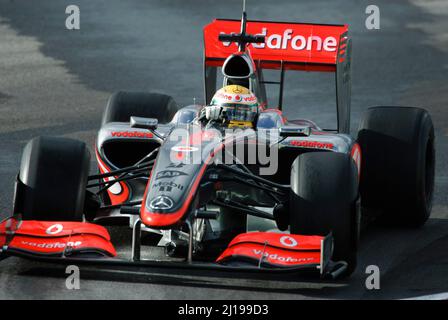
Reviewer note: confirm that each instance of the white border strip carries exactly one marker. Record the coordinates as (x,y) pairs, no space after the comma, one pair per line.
(438,296)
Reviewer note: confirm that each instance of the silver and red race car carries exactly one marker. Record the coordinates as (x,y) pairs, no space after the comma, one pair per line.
(282,196)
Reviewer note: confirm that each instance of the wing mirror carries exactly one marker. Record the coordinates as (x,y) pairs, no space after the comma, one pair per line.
(294,131)
(144,123)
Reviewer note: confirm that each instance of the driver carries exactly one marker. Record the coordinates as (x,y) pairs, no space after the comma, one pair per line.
(234,105)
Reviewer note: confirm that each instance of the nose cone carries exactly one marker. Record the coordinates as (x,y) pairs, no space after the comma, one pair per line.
(179,168)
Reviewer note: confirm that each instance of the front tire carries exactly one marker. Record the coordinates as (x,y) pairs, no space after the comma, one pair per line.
(323,199)
(52,180)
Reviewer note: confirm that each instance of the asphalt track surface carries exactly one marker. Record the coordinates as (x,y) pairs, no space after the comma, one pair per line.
(56,82)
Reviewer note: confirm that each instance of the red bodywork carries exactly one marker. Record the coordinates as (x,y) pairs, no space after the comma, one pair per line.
(115,197)
(54,237)
(274,249)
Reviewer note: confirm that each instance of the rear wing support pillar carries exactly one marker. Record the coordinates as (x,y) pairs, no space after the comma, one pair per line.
(280,83)
(343,84)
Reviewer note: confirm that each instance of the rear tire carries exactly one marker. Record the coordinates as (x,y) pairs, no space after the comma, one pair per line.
(52,181)
(122,105)
(398,164)
(324,194)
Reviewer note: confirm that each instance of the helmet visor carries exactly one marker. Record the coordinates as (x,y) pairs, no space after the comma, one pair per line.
(239,112)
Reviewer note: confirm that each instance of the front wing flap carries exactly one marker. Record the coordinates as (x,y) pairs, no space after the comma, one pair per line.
(278,250)
(54,238)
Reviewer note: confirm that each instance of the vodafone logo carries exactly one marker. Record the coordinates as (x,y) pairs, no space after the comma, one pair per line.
(288,241)
(236,98)
(55,229)
(53,245)
(279,258)
(298,42)
(132,134)
(312,144)
(250,99)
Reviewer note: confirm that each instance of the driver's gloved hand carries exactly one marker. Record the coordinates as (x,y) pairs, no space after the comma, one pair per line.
(213,112)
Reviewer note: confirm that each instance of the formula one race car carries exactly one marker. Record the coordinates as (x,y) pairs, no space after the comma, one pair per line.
(197,185)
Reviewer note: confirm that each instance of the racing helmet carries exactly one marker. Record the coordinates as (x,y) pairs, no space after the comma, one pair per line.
(239,104)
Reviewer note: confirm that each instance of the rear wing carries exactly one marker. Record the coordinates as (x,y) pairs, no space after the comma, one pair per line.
(287,46)
(299,46)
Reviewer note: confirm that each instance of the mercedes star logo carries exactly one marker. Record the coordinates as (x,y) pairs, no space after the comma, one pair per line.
(161,203)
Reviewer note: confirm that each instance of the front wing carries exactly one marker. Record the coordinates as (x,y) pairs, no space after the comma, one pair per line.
(87,243)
